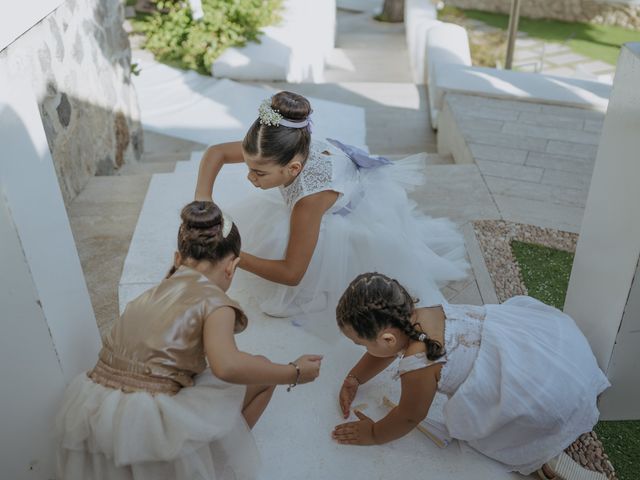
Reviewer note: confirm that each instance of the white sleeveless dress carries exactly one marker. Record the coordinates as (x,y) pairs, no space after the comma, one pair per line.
(373,226)
(520,378)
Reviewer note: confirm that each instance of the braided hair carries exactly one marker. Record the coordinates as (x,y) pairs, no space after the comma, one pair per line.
(200,234)
(373,301)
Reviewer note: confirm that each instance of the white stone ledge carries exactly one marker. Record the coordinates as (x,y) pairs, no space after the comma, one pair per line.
(419,17)
(529,87)
(447,45)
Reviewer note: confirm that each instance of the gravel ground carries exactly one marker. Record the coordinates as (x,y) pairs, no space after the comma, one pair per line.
(495,236)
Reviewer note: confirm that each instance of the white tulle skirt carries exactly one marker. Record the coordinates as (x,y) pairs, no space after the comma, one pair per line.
(385,233)
(533,387)
(199,433)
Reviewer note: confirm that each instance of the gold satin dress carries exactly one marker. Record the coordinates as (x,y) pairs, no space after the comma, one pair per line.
(151,408)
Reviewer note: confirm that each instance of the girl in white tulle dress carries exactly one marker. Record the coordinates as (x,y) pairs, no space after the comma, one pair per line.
(171,397)
(521,380)
(340,212)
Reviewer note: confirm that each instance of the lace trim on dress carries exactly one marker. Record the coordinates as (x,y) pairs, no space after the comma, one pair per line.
(415,362)
(316,176)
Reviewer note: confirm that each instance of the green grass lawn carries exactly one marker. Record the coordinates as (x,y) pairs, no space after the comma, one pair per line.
(545,272)
(599,42)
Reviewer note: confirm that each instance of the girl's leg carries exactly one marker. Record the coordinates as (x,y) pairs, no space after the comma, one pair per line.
(255,401)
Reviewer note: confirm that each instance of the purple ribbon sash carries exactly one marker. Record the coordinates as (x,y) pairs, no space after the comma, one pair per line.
(358,156)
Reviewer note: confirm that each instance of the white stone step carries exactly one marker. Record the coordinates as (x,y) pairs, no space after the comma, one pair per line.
(154,240)
(147,168)
(304,418)
(208,111)
(294,50)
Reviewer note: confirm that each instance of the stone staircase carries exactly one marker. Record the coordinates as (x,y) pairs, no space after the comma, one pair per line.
(395,120)
(146,195)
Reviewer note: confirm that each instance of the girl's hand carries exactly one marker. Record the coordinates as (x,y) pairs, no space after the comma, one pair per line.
(355,433)
(309,366)
(347,394)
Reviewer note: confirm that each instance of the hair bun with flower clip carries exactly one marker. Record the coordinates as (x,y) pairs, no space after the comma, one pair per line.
(273,118)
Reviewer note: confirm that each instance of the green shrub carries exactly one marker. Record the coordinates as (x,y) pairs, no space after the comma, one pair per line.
(175,38)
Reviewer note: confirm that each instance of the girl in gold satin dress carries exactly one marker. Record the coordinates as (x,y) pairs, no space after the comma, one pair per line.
(171,396)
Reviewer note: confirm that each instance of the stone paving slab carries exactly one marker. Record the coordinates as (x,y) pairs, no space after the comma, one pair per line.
(551,120)
(551,133)
(554,194)
(507,170)
(538,168)
(567,179)
(498,154)
(559,162)
(540,213)
(559,59)
(572,149)
(597,66)
(564,58)
(455,191)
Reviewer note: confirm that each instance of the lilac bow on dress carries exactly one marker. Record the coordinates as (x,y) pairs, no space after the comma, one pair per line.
(358,156)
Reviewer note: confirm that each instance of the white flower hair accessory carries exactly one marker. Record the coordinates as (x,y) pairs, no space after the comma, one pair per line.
(273,118)
(227,223)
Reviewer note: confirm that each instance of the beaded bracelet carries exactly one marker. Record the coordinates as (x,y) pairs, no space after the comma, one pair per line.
(291,385)
(354,377)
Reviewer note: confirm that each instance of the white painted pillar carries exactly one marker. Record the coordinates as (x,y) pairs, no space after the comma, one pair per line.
(49,333)
(604,290)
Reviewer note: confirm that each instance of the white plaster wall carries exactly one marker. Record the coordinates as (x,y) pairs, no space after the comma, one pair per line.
(49,333)
(609,246)
(31,375)
(621,402)
(18,17)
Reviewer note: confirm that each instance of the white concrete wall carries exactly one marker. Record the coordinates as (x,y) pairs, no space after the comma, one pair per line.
(49,333)
(18,17)
(600,296)
(622,401)
(420,16)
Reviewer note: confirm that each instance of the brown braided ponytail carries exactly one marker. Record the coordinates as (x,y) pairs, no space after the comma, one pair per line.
(200,234)
(373,301)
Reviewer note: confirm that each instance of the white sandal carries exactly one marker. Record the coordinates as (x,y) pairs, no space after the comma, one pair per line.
(565,468)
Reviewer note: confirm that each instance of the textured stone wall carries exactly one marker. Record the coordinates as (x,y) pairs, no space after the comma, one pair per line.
(624,14)
(77,60)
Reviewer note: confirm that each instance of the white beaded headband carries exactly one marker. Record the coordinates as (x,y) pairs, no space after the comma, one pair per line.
(271,117)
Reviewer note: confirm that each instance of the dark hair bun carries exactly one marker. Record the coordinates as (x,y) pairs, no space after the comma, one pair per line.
(201,215)
(291,105)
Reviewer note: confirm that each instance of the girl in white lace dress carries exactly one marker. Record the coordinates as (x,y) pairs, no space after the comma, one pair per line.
(340,212)
(520,377)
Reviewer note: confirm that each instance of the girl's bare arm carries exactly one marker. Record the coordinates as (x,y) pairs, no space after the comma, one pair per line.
(369,366)
(235,366)
(212,161)
(303,237)
(418,389)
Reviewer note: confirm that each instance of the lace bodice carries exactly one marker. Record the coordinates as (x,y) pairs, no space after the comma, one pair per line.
(462,336)
(326,168)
